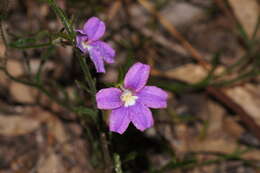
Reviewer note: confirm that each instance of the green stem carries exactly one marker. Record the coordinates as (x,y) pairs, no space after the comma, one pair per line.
(59,12)
(40,88)
(99,120)
(228,70)
(88,78)
(250,74)
(33,46)
(188,164)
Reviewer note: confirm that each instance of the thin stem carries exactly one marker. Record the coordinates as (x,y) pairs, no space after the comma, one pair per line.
(250,74)
(188,164)
(33,46)
(88,78)
(99,120)
(60,13)
(40,88)
(107,158)
(2,32)
(5,41)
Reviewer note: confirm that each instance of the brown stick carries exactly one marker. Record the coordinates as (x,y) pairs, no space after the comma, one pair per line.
(222,97)
(114,10)
(217,93)
(173,31)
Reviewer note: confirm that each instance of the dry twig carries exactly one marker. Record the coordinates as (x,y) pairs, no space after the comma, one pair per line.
(215,92)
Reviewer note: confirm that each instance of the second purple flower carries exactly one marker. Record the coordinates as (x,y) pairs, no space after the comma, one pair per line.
(88,42)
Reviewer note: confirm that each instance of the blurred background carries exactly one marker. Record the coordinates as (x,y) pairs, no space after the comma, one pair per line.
(205,53)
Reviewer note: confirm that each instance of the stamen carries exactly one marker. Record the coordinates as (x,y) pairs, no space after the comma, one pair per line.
(85,45)
(128,98)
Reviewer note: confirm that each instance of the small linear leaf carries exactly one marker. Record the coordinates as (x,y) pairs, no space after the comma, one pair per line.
(60,13)
(85,111)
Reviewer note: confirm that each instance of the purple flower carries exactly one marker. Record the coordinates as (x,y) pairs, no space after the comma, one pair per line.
(88,41)
(131,103)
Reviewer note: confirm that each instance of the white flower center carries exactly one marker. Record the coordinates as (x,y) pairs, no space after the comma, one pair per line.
(128,98)
(86,45)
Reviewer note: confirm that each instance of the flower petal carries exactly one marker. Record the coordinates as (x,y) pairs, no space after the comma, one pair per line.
(94,28)
(79,39)
(141,116)
(109,98)
(106,51)
(153,97)
(80,31)
(137,76)
(97,59)
(119,120)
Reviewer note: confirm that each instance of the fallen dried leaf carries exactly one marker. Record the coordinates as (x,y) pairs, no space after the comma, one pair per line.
(221,145)
(3,79)
(215,114)
(174,13)
(51,164)
(22,93)
(15,68)
(248,97)
(57,130)
(15,125)
(232,127)
(247,12)
(190,73)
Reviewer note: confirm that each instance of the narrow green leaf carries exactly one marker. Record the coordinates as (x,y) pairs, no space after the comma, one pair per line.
(60,13)
(85,111)
(216,59)
(244,35)
(44,57)
(256,27)
(36,40)
(82,86)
